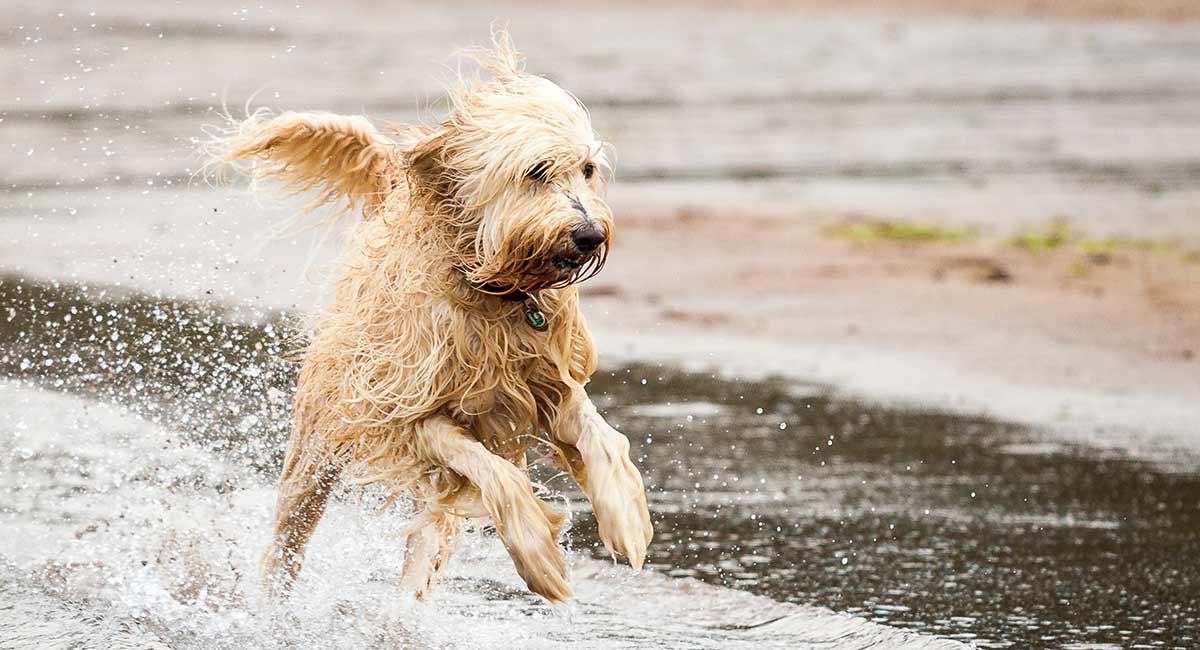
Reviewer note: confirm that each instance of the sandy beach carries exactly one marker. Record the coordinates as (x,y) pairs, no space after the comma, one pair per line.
(1077,341)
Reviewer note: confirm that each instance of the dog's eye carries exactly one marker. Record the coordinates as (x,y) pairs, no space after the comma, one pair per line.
(589,169)
(538,172)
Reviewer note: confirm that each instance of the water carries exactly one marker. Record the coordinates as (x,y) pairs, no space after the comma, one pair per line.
(987,122)
(769,498)
(118,534)
(965,528)
(126,531)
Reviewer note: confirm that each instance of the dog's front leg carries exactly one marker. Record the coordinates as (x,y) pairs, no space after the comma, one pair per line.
(527,526)
(597,456)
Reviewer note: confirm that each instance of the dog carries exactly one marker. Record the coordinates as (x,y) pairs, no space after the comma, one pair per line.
(454,340)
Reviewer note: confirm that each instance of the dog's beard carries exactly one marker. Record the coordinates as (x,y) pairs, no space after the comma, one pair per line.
(540,270)
(568,265)
(536,265)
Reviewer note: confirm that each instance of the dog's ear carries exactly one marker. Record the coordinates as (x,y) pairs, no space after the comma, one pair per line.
(342,158)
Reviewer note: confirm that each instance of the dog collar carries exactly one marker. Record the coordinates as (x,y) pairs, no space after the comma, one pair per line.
(534,316)
(502,292)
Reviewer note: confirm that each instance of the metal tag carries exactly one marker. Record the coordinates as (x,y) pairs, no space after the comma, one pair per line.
(535,318)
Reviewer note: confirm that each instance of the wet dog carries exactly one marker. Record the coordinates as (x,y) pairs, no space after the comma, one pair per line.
(454,341)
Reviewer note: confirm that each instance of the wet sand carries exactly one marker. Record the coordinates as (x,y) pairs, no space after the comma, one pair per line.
(1107,356)
(1102,348)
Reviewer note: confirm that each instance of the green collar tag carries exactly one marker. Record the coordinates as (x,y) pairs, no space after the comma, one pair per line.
(534,316)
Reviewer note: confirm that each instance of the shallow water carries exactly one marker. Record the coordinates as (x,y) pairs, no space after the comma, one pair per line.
(139,524)
(120,535)
(965,528)
(957,527)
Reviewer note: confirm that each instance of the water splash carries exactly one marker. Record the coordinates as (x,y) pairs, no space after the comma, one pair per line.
(122,535)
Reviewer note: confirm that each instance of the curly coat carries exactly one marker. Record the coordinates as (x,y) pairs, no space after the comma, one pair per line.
(423,374)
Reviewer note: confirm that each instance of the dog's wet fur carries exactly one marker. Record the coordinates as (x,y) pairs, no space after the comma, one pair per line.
(419,376)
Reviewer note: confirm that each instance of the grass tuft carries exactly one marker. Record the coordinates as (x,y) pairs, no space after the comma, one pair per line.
(897,231)
(1042,241)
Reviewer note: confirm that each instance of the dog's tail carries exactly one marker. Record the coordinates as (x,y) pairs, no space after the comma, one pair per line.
(343,159)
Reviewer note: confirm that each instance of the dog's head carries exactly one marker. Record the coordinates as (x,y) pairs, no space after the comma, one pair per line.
(518,176)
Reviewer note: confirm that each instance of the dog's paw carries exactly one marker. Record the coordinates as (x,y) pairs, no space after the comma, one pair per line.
(619,499)
(543,566)
(529,530)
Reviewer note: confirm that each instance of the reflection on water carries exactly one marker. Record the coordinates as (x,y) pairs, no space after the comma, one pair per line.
(959,527)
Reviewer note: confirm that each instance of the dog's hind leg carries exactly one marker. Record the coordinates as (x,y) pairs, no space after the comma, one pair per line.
(308,477)
(527,525)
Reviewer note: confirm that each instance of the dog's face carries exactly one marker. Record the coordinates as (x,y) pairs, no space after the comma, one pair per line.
(518,172)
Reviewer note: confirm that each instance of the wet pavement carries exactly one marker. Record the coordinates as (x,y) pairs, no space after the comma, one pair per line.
(962,528)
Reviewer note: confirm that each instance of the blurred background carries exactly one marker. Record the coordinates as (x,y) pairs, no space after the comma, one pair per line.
(902,319)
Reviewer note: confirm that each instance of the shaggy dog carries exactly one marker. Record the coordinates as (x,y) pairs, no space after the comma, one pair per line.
(454,341)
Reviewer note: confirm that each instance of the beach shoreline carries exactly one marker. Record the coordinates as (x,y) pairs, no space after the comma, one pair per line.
(1097,347)
(1086,342)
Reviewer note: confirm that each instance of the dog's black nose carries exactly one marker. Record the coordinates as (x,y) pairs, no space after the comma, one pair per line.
(587,238)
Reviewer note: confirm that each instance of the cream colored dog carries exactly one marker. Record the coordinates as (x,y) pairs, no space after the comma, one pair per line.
(454,341)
